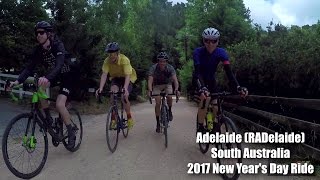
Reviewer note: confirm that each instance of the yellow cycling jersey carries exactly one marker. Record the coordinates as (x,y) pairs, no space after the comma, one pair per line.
(119,69)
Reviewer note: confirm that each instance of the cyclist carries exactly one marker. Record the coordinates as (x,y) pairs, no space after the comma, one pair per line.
(206,60)
(121,74)
(160,77)
(50,53)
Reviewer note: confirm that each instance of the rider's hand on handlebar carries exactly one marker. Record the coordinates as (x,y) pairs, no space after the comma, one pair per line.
(43,81)
(126,92)
(204,92)
(243,91)
(98,91)
(177,93)
(11,84)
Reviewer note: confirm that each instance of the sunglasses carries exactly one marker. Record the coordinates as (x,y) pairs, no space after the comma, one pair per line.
(40,32)
(207,41)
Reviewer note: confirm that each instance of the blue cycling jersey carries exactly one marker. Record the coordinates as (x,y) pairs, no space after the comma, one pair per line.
(208,63)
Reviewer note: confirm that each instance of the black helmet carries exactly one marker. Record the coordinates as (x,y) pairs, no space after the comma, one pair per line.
(112,47)
(162,55)
(43,25)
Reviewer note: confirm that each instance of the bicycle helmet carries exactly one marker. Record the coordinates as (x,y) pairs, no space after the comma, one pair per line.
(112,47)
(43,25)
(162,55)
(210,33)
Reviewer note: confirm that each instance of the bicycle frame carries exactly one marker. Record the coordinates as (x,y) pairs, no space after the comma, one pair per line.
(36,115)
(115,97)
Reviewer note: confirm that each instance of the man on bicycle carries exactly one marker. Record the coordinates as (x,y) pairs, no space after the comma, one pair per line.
(50,53)
(206,60)
(121,75)
(160,77)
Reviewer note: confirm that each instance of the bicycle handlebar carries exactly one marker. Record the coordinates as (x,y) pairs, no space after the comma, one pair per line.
(110,93)
(163,95)
(218,95)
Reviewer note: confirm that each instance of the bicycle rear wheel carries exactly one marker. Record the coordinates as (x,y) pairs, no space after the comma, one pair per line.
(165,118)
(77,126)
(112,130)
(226,125)
(204,147)
(25,153)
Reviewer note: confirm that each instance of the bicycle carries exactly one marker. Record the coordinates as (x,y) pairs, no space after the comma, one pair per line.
(164,114)
(223,125)
(31,128)
(121,122)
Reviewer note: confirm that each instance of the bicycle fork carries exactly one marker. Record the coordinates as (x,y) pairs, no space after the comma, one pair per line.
(30,142)
(164,116)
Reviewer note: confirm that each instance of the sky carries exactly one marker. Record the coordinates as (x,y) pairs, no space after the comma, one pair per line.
(286,12)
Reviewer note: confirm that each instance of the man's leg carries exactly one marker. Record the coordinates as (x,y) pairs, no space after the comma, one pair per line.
(156,91)
(114,88)
(45,106)
(127,108)
(202,113)
(67,84)
(157,112)
(63,111)
(169,90)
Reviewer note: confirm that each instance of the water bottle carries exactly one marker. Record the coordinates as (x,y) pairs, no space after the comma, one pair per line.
(210,117)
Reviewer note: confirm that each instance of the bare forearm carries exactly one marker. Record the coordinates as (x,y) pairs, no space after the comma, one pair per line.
(176,83)
(103,80)
(150,82)
(126,81)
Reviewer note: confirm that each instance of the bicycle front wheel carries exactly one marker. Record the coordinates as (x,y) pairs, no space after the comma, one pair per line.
(112,128)
(125,129)
(226,125)
(25,146)
(77,126)
(165,118)
(204,147)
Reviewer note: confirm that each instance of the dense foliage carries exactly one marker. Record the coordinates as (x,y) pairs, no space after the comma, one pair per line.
(278,60)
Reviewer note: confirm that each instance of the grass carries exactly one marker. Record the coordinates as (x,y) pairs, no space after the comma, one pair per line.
(86,107)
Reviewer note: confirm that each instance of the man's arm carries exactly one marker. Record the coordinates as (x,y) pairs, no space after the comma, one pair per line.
(197,74)
(227,68)
(29,69)
(103,80)
(150,82)
(232,79)
(176,83)
(150,77)
(126,82)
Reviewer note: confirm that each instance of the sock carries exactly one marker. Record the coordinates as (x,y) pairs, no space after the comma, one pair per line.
(169,108)
(158,122)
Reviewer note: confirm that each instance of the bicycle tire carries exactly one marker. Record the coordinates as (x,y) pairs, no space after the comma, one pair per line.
(204,147)
(5,147)
(229,126)
(78,128)
(125,130)
(164,116)
(111,147)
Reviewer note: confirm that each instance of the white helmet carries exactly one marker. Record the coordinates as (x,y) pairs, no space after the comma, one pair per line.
(210,33)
